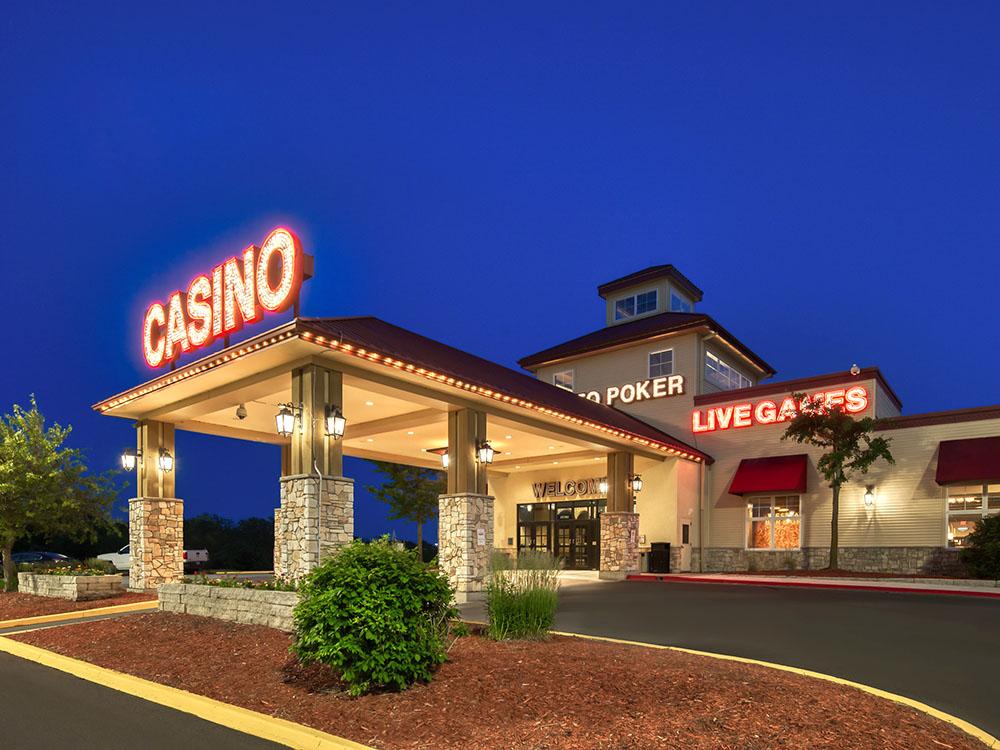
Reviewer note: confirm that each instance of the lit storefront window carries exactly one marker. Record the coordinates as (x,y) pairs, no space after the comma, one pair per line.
(967,504)
(774,522)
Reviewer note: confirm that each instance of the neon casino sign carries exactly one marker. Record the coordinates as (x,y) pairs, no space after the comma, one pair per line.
(238,291)
(749,413)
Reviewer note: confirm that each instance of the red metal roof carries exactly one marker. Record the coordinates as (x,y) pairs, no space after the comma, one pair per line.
(376,335)
(637,330)
(771,474)
(969,460)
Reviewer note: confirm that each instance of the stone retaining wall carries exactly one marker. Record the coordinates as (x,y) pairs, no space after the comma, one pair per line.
(74,588)
(272,609)
(908,560)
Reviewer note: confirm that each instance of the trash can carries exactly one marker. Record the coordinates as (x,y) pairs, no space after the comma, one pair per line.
(659,557)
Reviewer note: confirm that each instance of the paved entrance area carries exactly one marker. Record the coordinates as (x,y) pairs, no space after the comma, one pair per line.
(941,650)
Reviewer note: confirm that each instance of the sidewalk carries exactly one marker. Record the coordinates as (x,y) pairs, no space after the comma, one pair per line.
(948,586)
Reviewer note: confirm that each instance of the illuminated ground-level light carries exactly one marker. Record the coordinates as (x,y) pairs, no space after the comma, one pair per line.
(130,458)
(335,422)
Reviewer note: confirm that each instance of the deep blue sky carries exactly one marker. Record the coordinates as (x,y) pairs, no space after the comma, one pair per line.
(830,178)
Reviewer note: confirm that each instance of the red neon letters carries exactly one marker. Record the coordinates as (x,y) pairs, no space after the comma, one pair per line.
(748,414)
(238,291)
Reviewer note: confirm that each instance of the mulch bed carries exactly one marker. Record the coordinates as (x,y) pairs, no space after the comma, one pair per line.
(556,695)
(14,606)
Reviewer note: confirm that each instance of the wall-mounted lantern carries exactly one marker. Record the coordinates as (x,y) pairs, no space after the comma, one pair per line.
(602,487)
(130,458)
(869,495)
(445,461)
(485,452)
(166,461)
(335,422)
(636,482)
(285,420)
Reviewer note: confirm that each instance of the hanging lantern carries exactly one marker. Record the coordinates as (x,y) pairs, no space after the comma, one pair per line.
(636,482)
(130,458)
(166,461)
(335,422)
(285,420)
(485,452)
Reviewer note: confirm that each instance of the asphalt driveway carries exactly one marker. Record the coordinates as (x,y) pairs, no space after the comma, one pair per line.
(46,708)
(942,650)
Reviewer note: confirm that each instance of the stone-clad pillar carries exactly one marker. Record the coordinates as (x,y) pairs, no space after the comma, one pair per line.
(155,517)
(465,541)
(619,521)
(156,541)
(315,519)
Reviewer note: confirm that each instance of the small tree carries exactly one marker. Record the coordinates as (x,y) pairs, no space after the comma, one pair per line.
(411,493)
(982,556)
(848,444)
(44,486)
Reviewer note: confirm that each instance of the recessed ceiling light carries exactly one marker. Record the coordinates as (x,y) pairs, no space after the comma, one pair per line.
(555,462)
(370,440)
(517,467)
(506,453)
(409,432)
(369,403)
(552,447)
(508,437)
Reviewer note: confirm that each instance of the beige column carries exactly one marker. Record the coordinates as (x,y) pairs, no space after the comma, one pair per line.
(465,522)
(316,515)
(619,521)
(155,516)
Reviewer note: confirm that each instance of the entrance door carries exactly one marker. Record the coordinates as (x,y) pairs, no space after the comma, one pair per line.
(576,544)
(685,562)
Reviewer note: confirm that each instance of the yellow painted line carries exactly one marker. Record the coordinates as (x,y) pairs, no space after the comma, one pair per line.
(243,720)
(96,612)
(985,737)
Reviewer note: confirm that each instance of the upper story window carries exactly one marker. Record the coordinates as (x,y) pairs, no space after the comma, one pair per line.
(679,303)
(722,375)
(661,363)
(635,304)
(967,505)
(563,379)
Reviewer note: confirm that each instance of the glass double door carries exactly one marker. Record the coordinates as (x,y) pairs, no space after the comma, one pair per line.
(576,543)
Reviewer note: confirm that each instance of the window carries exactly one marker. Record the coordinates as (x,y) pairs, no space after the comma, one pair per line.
(563,379)
(967,504)
(661,363)
(721,375)
(774,522)
(679,303)
(636,304)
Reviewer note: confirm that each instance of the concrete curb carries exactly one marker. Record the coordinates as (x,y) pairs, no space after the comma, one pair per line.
(985,737)
(244,720)
(115,609)
(892,589)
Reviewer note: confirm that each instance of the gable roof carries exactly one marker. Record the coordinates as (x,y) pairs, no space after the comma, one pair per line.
(470,372)
(649,274)
(635,331)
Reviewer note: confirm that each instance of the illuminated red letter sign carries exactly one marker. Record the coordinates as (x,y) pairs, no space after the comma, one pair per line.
(748,414)
(239,290)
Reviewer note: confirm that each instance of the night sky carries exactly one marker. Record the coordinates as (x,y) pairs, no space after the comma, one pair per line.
(830,178)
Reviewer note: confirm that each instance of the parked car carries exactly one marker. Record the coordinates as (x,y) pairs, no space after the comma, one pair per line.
(194,559)
(45,558)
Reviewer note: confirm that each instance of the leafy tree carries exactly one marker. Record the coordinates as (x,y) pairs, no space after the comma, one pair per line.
(232,545)
(411,493)
(982,556)
(44,486)
(848,444)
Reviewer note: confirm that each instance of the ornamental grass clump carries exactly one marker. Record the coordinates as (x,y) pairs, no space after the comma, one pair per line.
(376,614)
(521,595)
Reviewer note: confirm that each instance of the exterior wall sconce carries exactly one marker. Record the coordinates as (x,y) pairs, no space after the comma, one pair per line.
(445,460)
(602,487)
(636,482)
(335,422)
(285,420)
(130,458)
(165,460)
(485,452)
(869,495)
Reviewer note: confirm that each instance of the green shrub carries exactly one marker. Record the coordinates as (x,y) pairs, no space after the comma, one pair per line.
(982,556)
(376,614)
(521,595)
(68,569)
(231,582)
(104,566)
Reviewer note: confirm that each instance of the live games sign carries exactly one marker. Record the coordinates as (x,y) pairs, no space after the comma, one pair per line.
(235,292)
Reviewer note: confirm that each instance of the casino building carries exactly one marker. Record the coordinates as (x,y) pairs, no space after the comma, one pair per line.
(659,428)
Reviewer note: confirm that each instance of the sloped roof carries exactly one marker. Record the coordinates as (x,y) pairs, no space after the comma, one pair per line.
(648,274)
(635,331)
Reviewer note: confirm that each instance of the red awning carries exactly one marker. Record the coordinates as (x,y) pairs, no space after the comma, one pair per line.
(969,460)
(772,474)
